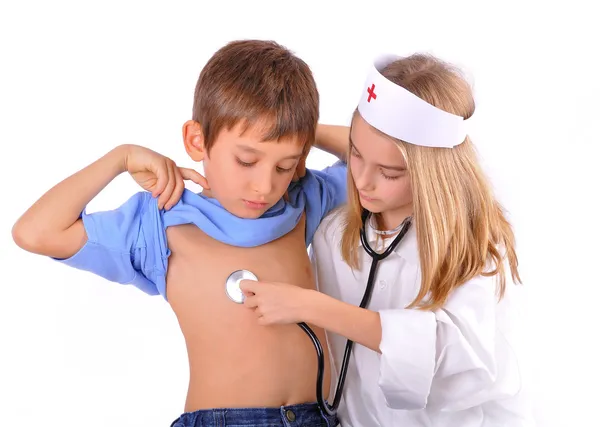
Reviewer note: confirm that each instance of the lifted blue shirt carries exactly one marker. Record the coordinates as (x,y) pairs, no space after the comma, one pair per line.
(128,245)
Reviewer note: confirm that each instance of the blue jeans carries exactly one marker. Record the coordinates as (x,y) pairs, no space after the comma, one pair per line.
(302,415)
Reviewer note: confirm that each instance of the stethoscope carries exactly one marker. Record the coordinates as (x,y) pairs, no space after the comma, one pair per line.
(232,288)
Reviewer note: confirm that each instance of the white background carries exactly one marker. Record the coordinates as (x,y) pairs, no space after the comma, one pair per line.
(77,79)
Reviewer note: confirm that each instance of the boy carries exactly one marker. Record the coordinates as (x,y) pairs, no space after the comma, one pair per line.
(254,118)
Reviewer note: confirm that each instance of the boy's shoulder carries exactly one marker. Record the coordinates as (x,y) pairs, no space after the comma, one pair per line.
(321,192)
(332,177)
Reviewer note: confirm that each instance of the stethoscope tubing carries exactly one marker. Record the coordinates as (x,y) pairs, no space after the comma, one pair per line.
(323,405)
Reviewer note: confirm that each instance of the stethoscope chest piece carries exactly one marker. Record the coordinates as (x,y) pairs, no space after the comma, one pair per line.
(232,284)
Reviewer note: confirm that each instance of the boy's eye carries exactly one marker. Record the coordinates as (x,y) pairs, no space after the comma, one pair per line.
(245,164)
(354,153)
(250,164)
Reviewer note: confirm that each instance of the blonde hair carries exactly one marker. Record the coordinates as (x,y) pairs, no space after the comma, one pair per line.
(461,227)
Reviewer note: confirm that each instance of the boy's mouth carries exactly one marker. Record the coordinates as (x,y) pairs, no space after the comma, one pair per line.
(255,205)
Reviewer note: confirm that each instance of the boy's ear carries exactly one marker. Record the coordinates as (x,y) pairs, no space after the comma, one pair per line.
(193,139)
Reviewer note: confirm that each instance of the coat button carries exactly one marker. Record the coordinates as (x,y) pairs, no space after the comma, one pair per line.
(382,284)
(289,414)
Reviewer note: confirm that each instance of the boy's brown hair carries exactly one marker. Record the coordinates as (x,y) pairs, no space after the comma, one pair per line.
(257,82)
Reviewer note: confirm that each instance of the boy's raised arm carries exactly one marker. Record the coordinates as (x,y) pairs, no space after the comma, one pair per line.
(52,225)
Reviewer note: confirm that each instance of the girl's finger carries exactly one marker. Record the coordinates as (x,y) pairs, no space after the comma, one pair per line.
(250,301)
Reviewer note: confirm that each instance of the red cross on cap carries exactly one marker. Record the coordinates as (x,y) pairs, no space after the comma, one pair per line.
(372,93)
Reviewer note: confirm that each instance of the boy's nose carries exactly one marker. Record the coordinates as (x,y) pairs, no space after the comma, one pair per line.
(263,185)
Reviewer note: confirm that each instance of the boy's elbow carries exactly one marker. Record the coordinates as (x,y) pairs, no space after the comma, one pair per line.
(26,238)
(57,245)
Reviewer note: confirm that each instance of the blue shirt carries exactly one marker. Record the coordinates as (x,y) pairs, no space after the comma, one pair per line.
(128,245)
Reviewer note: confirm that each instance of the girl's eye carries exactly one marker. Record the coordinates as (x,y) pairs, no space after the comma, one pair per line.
(391,178)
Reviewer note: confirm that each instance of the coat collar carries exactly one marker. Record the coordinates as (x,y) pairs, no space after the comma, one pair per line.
(407,249)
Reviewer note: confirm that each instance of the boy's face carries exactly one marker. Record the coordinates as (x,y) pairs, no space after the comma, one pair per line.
(248,176)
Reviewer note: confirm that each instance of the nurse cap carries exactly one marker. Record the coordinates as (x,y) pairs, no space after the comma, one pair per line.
(401,114)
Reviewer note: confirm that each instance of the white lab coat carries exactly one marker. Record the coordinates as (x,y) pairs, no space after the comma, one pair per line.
(452,367)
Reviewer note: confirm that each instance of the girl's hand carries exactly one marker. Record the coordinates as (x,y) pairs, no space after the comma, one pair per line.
(300,171)
(276,303)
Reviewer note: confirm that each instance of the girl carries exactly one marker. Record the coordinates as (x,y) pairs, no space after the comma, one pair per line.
(433,345)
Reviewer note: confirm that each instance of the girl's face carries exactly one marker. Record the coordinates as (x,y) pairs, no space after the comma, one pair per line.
(379,172)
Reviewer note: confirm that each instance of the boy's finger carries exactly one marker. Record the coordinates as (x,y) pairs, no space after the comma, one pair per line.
(162,178)
(166,194)
(192,175)
(178,191)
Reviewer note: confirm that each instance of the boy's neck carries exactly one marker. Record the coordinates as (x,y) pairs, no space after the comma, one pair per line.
(207,193)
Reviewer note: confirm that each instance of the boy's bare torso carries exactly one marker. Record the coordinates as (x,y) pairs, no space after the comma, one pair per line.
(234,361)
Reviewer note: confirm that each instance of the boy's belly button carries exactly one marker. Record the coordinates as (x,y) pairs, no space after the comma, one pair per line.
(246,366)
(234,361)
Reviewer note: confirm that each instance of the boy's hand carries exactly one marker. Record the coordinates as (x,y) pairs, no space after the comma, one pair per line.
(160,175)
(276,303)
